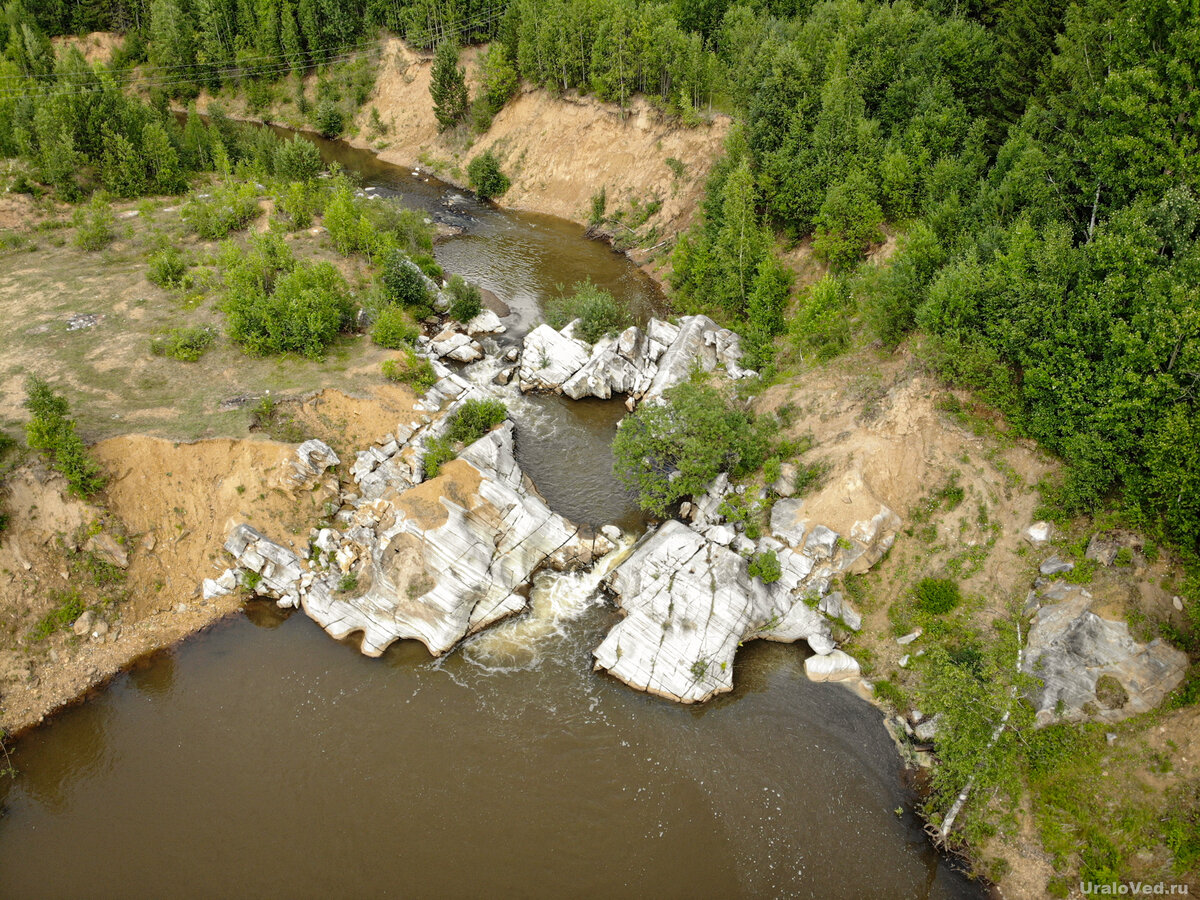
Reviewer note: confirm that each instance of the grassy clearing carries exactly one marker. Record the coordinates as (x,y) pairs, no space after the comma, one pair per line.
(86,321)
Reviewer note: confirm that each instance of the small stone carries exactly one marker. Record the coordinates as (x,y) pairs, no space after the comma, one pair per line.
(612,532)
(1038,533)
(1110,737)
(904,661)
(909,638)
(1055,566)
(1177,602)
(927,730)
(83,625)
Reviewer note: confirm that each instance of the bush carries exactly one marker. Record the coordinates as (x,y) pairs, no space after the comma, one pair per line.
(52,432)
(438,452)
(673,450)
(392,329)
(95,224)
(274,305)
(167,267)
(411,369)
(297,203)
(474,419)
(485,176)
(328,118)
(937,596)
(598,311)
(68,606)
(404,283)
(185,344)
(765,566)
(297,160)
(465,300)
(228,208)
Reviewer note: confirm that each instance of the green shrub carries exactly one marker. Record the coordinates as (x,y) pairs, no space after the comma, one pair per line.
(328,118)
(485,176)
(765,566)
(673,450)
(95,224)
(438,452)
(599,313)
(68,606)
(52,431)
(230,207)
(297,160)
(167,267)
(474,419)
(465,300)
(392,329)
(297,203)
(937,596)
(412,369)
(185,344)
(348,583)
(407,227)
(404,283)
(274,305)
(599,206)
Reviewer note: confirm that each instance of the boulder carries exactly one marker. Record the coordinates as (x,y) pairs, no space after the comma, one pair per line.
(106,546)
(312,458)
(84,624)
(1091,667)
(689,602)
(1104,546)
(487,322)
(835,666)
(1055,566)
(1038,533)
(549,359)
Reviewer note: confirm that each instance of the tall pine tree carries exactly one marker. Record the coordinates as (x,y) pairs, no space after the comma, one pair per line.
(448,86)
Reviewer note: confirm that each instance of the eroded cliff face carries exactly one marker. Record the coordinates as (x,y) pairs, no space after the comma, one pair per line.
(559,151)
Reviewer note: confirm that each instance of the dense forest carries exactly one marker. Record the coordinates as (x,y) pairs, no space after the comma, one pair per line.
(1035,160)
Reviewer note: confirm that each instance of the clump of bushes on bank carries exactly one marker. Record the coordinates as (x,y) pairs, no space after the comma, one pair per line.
(52,432)
(275,304)
(485,177)
(411,369)
(598,312)
(672,450)
(470,422)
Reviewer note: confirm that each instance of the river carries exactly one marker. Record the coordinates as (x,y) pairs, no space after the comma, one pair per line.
(262,758)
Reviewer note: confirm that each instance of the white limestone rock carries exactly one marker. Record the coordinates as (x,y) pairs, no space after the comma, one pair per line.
(1038,533)
(312,458)
(689,602)
(1070,649)
(451,555)
(548,359)
(487,322)
(835,666)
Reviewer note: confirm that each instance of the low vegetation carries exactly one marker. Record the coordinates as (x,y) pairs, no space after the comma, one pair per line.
(485,177)
(471,421)
(598,312)
(51,431)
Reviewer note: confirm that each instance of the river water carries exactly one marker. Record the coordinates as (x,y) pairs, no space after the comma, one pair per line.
(263,759)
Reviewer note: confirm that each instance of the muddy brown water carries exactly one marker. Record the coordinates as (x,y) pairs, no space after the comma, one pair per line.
(264,759)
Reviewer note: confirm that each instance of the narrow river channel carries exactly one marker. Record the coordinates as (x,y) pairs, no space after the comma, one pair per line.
(264,759)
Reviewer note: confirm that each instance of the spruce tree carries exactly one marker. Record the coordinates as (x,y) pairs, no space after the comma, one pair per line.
(448,86)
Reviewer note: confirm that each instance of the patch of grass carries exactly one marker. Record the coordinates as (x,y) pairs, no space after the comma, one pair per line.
(937,596)
(68,606)
(890,693)
(438,452)
(348,583)
(765,566)
(184,344)
(411,369)
(268,415)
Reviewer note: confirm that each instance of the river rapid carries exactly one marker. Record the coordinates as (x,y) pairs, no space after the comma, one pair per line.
(262,758)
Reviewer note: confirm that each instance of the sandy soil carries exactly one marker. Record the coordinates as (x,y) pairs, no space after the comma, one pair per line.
(170,506)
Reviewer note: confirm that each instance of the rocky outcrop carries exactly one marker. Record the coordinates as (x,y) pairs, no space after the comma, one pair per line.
(433,560)
(1091,667)
(641,363)
(690,602)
